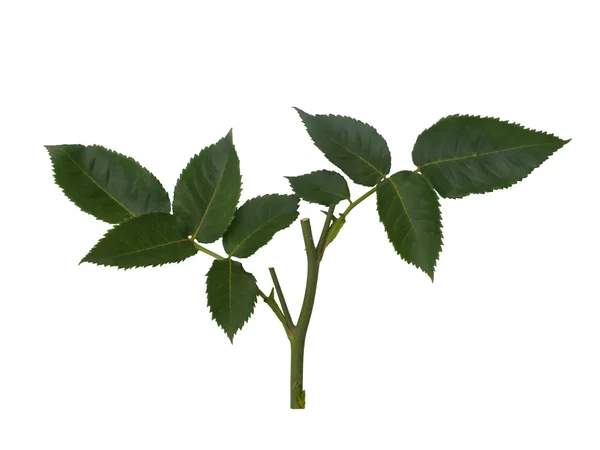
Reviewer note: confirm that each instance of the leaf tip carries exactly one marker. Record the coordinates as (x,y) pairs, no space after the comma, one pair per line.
(301,113)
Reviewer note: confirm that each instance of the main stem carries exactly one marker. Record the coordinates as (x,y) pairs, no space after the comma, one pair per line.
(297,334)
(297,394)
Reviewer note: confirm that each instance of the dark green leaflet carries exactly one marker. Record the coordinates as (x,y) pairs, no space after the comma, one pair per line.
(208,191)
(462,155)
(256,222)
(110,186)
(323,187)
(151,239)
(231,293)
(409,210)
(353,146)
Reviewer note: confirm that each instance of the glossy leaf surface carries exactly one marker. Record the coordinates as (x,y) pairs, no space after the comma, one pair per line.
(324,187)
(409,210)
(353,146)
(256,222)
(151,239)
(462,155)
(231,293)
(208,191)
(106,184)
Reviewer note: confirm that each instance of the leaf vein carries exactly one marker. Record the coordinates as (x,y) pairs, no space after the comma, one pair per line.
(211,199)
(355,155)
(458,158)
(101,188)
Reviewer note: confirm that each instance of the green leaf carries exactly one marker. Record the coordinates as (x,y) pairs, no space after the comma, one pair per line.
(462,155)
(353,146)
(256,222)
(208,191)
(410,212)
(106,184)
(231,293)
(324,187)
(148,240)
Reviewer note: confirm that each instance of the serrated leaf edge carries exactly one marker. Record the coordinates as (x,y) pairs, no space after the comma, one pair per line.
(105,235)
(439,251)
(232,253)
(562,143)
(300,112)
(229,136)
(51,148)
(212,312)
(289,178)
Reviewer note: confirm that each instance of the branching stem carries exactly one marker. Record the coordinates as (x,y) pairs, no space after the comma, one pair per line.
(324,232)
(269,300)
(297,333)
(358,201)
(284,306)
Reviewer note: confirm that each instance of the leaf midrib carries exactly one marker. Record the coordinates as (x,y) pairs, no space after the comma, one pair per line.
(211,199)
(100,187)
(332,193)
(405,210)
(355,155)
(440,161)
(149,248)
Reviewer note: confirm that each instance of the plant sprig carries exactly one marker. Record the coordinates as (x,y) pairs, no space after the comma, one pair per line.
(460,155)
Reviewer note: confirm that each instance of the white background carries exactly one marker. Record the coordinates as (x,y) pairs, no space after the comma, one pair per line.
(501,352)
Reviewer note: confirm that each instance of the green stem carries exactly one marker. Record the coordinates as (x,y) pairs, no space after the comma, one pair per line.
(324,232)
(270,301)
(284,306)
(332,231)
(297,394)
(312,276)
(358,201)
(207,251)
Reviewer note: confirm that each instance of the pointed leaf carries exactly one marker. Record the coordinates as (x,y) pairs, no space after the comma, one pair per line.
(462,155)
(148,240)
(409,210)
(256,222)
(231,293)
(106,184)
(353,146)
(324,187)
(208,191)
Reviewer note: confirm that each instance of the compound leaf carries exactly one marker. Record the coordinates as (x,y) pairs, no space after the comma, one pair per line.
(231,293)
(462,155)
(324,187)
(151,239)
(353,146)
(409,210)
(208,191)
(106,184)
(256,222)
